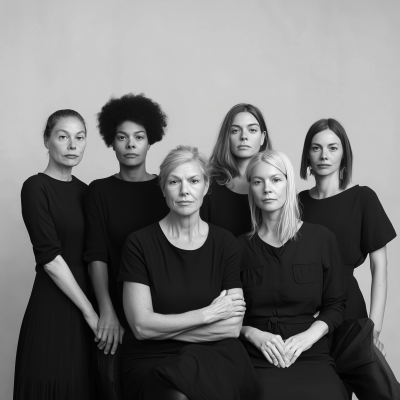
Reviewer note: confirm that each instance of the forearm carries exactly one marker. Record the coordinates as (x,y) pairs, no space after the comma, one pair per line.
(62,276)
(378,297)
(223,329)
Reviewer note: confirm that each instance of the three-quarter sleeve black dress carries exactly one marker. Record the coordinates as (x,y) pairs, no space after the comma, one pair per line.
(53,352)
(361,226)
(284,288)
(180,281)
(226,209)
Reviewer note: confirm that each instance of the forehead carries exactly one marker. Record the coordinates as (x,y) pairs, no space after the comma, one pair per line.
(187,169)
(70,125)
(326,137)
(130,127)
(245,118)
(265,170)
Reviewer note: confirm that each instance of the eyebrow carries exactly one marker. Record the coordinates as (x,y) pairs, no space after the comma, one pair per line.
(272,176)
(238,126)
(191,177)
(330,144)
(62,130)
(133,132)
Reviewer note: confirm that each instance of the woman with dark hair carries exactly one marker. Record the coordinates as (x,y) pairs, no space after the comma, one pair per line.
(116,206)
(243,133)
(183,299)
(53,349)
(352,212)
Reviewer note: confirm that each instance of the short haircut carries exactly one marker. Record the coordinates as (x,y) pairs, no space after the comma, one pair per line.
(290,212)
(134,108)
(223,165)
(56,116)
(181,155)
(347,159)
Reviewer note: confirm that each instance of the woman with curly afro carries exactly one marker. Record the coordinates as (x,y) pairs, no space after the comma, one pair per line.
(116,206)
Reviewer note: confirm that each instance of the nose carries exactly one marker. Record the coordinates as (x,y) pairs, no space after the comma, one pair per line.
(266,188)
(324,154)
(184,189)
(243,136)
(72,144)
(130,144)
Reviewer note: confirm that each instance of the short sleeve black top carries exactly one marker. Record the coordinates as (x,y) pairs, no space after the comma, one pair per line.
(179,280)
(355,216)
(300,278)
(53,214)
(227,209)
(115,208)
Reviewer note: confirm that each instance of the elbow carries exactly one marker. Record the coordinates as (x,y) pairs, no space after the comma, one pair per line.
(141,333)
(236,327)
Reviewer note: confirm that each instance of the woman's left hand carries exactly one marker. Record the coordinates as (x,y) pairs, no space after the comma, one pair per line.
(296,344)
(378,343)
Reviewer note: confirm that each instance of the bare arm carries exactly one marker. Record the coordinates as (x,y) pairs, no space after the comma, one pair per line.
(146,324)
(109,330)
(62,276)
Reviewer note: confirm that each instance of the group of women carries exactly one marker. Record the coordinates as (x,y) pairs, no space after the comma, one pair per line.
(213,280)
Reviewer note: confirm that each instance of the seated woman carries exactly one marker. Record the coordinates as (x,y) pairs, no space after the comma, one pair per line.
(290,270)
(182,298)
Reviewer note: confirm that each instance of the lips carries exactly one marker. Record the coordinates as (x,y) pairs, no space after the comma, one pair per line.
(71,156)
(323,165)
(131,155)
(265,200)
(243,147)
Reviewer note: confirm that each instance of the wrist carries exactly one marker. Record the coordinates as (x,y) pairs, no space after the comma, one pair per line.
(376,334)
(88,312)
(248,333)
(207,315)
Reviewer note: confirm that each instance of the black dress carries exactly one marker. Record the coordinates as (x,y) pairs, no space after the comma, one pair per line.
(361,226)
(180,281)
(53,354)
(114,208)
(227,209)
(284,287)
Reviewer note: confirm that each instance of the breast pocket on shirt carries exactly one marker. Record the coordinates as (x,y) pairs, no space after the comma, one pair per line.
(252,276)
(305,273)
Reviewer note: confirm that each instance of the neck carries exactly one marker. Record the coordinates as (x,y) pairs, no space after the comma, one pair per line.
(134,174)
(242,164)
(183,227)
(57,171)
(326,186)
(268,229)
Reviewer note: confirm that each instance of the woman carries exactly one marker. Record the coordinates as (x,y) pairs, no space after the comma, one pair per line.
(290,270)
(183,299)
(116,206)
(53,350)
(242,135)
(352,212)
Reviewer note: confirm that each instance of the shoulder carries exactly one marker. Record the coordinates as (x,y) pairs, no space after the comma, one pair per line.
(79,183)
(34,184)
(220,235)
(101,184)
(145,234)
(316,231)
(304,194)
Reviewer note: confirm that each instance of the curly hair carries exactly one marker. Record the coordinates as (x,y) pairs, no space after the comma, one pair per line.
(134,108)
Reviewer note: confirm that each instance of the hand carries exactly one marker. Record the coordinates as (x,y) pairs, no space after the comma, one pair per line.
(109,332)
(378,343)
(92,320)
(225,306)
(296,344)
(272,347)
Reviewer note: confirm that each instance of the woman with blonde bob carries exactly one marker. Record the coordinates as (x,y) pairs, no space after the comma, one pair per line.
(290,270)
(183,299)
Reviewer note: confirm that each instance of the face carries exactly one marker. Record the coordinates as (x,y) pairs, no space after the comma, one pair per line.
(245,135)
(131,144)
(268,186)
(326,153)
(67,142)
(185,188)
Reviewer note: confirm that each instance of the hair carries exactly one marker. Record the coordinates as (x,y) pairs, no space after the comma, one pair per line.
(55,117)
(134,108)
(223,164)
(181,155)
(347,159)
(290,213)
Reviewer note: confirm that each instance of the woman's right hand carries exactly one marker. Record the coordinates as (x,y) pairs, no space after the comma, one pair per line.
(225,306)
(271,346)
(109,332)
(92,320)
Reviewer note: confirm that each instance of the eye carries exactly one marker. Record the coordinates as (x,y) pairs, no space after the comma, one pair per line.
(333,148)
(120,137)
(173,181)
(195,180)
(139,137)
(253,130)
(276,179)
(80,138)
(234,130)
(314,148)
(257,181)
(62,137)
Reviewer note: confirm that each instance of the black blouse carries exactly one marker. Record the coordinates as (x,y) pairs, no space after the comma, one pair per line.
(179,280)
(114,209)
(227,209)
(298,279)
(355,216)
(53,214)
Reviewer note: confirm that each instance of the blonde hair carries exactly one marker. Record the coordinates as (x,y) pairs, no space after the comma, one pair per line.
(181,155)
(290,213)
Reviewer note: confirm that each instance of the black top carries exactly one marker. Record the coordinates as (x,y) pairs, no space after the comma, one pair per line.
(355,216)
(297,279)
(179,280)
(227,209)
(53,214)
(115,208)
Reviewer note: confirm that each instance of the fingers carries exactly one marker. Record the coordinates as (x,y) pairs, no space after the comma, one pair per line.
(222,294)
(267,356)
(121,334)
(380,346)
(115,342)
(275,354)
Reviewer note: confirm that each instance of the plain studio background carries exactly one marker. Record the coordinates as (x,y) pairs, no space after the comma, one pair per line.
(297,61)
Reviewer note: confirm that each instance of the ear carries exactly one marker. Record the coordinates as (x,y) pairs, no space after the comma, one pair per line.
(46,143)
(148,147)
(263,135)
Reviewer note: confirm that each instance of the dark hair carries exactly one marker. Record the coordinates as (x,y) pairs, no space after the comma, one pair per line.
(134,108)
(347,159)
(56,116)
(223,165)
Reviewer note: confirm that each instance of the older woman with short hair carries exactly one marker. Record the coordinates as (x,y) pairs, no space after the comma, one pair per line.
(182,298)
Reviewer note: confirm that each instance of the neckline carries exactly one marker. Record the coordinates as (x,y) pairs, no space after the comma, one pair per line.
(178,248)
(231,191)
(280,247)
(331,197)
(135,182)
(57,180)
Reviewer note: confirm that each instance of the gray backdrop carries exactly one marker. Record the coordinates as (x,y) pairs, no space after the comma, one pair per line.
(297,61)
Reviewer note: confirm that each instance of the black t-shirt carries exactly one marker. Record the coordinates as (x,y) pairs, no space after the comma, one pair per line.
(227,209)
(179,280)
(115,208)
